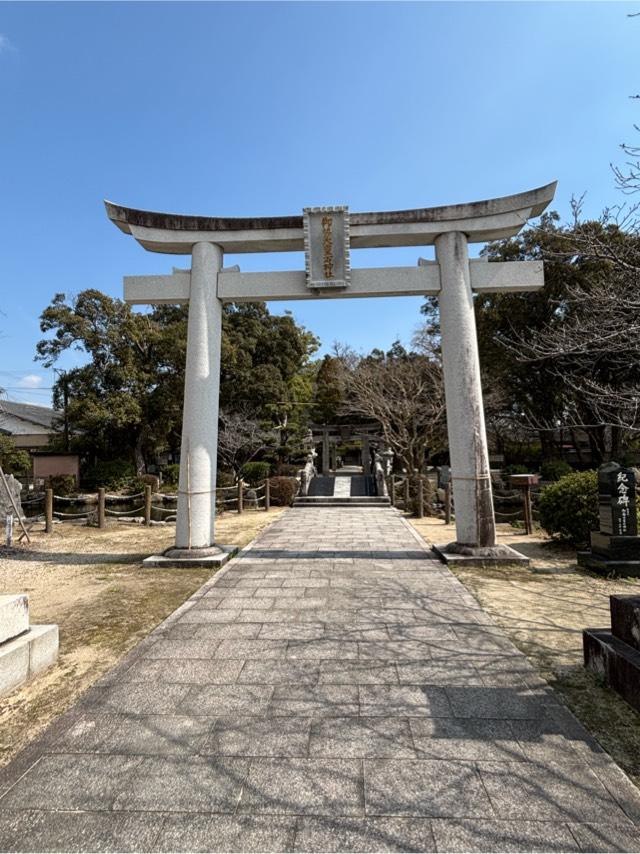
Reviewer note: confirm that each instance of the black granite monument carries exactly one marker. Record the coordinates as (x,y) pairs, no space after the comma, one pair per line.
(615,548)
(614,654)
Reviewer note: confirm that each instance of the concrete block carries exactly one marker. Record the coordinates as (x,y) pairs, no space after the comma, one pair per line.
(43,648)
(14,615)
(615,661)
(27,655)
(625,619)
(14,664)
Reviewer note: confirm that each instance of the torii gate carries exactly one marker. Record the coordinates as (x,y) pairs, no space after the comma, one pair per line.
(326,235)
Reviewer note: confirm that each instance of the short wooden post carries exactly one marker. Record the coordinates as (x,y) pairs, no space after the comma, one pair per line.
(407,493)
(102,513)
(420,503)
(240,496)
(147,505)
(393,491)
(528,514)
(48,511)
(267,494)
(9,529)
(447,504)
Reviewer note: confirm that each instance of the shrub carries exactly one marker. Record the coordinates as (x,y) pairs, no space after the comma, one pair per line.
(289,469)
(254,473)
(225,478)
(112,474)
(171,474)
(283,490)
(569,508)
(62,484)
(555,469)
(13,460)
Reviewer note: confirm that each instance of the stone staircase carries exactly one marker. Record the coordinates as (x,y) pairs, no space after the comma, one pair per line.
(25,650)
(342,491)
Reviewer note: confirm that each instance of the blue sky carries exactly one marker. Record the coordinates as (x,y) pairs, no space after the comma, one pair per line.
(257,109)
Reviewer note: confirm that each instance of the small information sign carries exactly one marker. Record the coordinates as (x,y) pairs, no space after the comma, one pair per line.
(326,247)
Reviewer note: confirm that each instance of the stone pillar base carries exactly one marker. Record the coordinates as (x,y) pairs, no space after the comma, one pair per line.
(458,554)
(214,557)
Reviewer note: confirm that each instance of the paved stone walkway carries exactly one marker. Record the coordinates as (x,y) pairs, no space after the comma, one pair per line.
(333,689)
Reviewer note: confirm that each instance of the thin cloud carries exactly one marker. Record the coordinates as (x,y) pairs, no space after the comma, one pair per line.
(30,381)
(5,44)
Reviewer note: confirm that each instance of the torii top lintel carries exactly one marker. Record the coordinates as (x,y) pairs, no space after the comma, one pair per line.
(175,234)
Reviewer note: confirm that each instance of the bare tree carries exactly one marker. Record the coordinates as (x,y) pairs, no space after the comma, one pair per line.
(240,439)
(592,342)
(404,392)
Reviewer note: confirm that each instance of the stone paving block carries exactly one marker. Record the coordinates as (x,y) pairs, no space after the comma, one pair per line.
(184,784)
(248,615)
(256,603)
(222,833)
(72,782)
(319,649)
(226,699)
(304,787)
(404,701)
(319,700)
(606,837)
(478,835)
(254,736)
(292,631)
(155,734)
(261,649)
(84,735)
(227,631)
(545,739)
(293,672)
(358,737)
(425,788)
(501,703)
(440,673)
(300,604)
(371,672)
(548,792)
(421,632)
(460,738)
(364,834)
(40,830)
(141,698)
(183,649)
(205,616)
(188,671)
(217,615)
(395,650)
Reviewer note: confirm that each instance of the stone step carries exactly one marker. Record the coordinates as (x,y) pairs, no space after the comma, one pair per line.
(14,616)
(334,501)
(614,661)
(25,656)
(625,619)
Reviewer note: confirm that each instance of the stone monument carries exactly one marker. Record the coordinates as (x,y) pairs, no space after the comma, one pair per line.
(6,505)
(615,548)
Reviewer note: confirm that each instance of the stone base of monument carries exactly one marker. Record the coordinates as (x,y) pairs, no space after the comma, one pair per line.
(614,654)
(25,650)
(213,557)
(612,555)
(455,554)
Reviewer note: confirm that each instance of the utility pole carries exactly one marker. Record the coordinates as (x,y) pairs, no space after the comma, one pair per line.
(64,380)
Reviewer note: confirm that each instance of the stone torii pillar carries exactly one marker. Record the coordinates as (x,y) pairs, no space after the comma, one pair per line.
(195,522)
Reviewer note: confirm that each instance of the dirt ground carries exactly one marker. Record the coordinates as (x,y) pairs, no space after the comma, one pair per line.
(91,583)
(544,608)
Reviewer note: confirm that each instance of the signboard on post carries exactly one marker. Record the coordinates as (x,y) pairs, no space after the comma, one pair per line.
(326,247)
